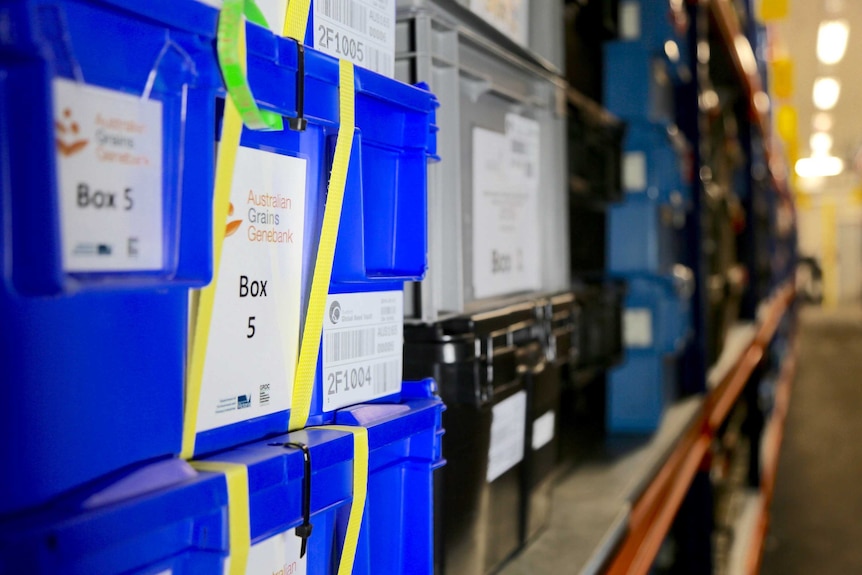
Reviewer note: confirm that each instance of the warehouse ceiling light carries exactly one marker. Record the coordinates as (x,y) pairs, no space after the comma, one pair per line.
(819,166)
(822,122)
(832,38)
(826,92)
(820,144)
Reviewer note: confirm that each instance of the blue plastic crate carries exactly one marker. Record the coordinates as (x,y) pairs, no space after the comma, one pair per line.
(381,239)
(112,388)
(657,165)
(637,86)
(106,114)
(643,237)
(396,536)
(98,366)
(638,392)
(128,527)
(184,526)
(657,314)
(653,23)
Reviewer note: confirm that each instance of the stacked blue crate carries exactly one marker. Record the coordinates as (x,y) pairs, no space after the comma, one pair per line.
(195,523)
(381,242)
(644,247)
(656,328)
(107,215)
(106,119)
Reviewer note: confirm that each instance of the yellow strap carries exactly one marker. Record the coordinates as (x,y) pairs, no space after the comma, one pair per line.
(360,488)
(309,348)
(239,524)
(296,19)
(228,146)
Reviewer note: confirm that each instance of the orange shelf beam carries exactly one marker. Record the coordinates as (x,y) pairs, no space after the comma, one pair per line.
(742,54)
(653,513)
(772,449)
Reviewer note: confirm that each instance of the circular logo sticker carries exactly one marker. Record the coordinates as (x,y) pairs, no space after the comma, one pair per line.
(335,312)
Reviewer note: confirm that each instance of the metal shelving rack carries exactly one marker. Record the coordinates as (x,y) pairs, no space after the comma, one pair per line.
(615,510)
(654,511)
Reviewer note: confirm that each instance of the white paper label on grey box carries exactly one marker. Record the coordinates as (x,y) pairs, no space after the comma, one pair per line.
(512,17)
(363,342)
(506,252)
(543,430)
(254,336)
(507,435)
(109,168)
(637,327)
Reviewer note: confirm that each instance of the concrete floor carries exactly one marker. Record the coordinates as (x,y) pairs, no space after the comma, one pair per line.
(817,508)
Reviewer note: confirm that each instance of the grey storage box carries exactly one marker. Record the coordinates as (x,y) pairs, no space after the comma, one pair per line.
(497,202)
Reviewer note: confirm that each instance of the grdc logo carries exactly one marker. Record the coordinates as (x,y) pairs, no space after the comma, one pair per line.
(335,312)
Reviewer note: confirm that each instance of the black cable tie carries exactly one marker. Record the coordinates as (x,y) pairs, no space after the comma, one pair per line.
(304,530)
(299,123)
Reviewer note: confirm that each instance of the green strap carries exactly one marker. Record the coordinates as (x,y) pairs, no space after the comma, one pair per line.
(231,47)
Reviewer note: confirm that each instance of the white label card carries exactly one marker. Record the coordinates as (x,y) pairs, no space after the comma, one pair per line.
(634,172)
(543,430)
(630,19)
(254,336)
(278,555)
(507,435)
(363,342)
(509,16)
(362,31)
(506,251)
(637,327)
(109,170)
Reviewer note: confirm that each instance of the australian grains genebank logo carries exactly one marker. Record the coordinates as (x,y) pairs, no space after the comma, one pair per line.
(232,225)
(264,219)
(69,141)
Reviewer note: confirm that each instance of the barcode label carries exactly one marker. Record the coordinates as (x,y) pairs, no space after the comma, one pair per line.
(347,12)
(387,377)
(362,31)
(379,61)
(363,340)
(345,345)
